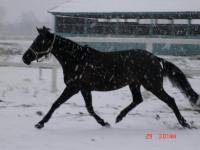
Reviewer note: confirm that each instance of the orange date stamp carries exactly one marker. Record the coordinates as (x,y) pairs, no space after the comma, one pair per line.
(160,136)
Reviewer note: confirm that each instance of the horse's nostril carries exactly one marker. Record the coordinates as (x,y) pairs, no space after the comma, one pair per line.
(25,60)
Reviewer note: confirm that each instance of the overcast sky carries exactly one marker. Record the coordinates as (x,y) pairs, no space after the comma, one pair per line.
(14,8)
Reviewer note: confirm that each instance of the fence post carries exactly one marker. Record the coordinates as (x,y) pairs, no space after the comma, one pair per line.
(40,73)
(54,77)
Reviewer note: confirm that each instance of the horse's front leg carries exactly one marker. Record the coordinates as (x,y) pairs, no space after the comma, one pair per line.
(88,101)
(67,93)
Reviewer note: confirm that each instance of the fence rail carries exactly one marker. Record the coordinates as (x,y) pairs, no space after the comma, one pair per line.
(149,46)
(52,66)
(55,67)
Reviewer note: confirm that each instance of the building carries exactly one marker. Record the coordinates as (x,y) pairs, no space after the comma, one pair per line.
(112,18)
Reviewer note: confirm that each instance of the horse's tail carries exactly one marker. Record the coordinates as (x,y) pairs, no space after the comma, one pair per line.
(179,80)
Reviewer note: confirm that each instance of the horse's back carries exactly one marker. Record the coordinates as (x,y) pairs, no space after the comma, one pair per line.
(127,59)
(132,57)
(120,68)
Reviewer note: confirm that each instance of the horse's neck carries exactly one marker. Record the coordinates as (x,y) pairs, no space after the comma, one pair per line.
(64,50)
(66,45)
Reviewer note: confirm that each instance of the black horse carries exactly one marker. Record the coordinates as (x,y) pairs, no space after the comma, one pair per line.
(86,69)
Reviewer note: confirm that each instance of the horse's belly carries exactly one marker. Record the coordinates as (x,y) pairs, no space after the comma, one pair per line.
(105,78)
(106,83)
(108,87)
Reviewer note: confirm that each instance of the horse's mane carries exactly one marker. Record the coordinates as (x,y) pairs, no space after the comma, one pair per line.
(75,45)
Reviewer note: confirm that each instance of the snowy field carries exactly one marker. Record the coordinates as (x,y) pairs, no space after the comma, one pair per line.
(23,95)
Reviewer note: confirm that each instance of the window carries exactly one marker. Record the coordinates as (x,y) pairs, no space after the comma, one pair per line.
(164,21)
(145,21)
(180,21)
(195,21)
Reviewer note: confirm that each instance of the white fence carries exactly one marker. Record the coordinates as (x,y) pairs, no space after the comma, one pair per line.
(148,41)
(40,66)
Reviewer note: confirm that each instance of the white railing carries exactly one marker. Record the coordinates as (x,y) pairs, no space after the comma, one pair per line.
(55,67)
(147,41)
(52,66)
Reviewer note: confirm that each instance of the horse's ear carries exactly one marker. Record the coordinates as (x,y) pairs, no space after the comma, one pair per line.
(39,30)
(46,29)
(43,31)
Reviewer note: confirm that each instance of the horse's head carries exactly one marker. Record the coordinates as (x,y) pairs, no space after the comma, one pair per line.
(41,46)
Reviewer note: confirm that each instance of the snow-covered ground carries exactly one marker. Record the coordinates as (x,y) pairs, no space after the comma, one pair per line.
(23,95)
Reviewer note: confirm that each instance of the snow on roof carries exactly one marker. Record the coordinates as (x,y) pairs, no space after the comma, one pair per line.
(107,6)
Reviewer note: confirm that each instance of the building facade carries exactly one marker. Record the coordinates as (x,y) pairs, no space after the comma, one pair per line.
(79,22)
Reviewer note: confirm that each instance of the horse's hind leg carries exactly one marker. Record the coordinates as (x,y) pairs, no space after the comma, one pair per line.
(137,99)
(162,95)
(88,101)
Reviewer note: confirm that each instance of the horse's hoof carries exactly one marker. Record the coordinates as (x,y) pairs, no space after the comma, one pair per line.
(118,119)
(39,126)
(186,125)
(195,103)
(107,125)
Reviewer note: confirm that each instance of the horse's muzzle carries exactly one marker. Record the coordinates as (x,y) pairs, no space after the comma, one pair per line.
(26,59)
